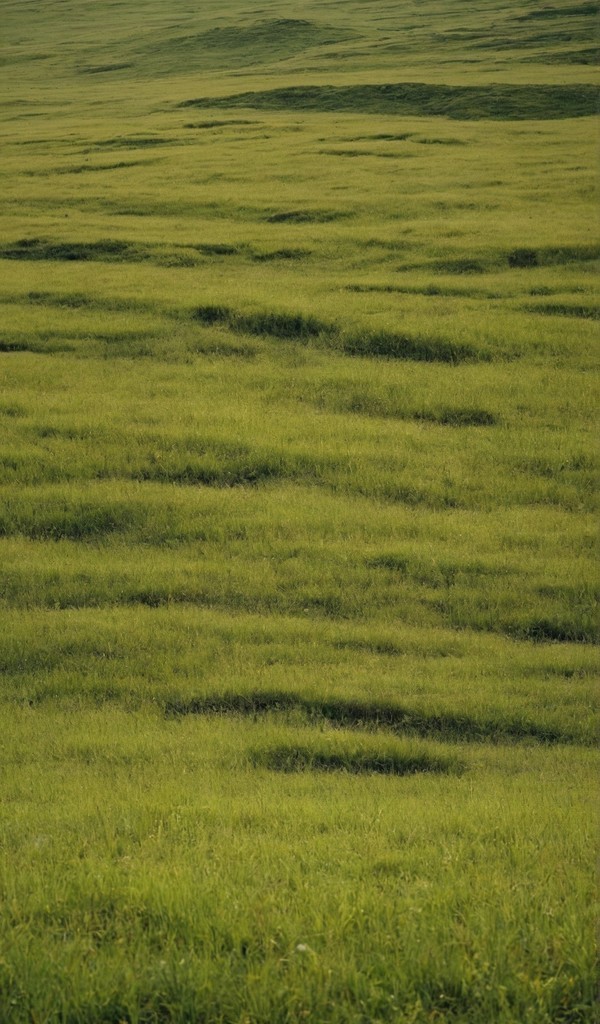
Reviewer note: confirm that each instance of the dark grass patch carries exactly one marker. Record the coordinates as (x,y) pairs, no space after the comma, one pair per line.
(103,69)
(397,346)
(581,628)
(52,337)
(553,468)
(463,600)
(40,141)
(86,522)
(55,300)
(294,326)
(393,562)
(259,42)
(216,472)
(116,251)
(363,152)
(530,41)
(383,137)
(306,216)
(460,265)
(443,574)
(458,417)
(586,55)
(355,714)
(107,344)
(498,102)
(553,631)
(440,142)
(206,125)
(280,254)
(13,411)
(433,290)
(50,342)
(131,142)
(389,407)
(375,344)
(88,168)
(523,258)
(293,758)
(42,249)
(79,300)
(550,256)
(14,345)
(559,309)
(123,338)
(216,249)
(547,12)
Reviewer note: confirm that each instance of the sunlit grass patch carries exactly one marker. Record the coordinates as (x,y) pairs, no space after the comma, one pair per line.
(164,852)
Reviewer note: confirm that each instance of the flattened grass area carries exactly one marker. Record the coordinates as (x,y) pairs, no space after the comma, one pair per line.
(298,513)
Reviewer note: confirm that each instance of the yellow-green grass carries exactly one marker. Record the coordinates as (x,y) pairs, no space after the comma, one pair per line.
(298,486)
(182,659)
(165,875)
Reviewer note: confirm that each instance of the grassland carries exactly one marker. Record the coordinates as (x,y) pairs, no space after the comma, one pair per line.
(298,499)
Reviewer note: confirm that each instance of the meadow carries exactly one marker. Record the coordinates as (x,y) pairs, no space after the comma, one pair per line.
(298,512)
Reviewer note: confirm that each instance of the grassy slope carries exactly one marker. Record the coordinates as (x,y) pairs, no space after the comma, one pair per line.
(297,512)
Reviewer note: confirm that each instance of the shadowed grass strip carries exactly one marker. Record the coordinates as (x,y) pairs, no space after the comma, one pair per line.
(80,300)
(132,142)
(204,125)
(579,311)
(110,250)
(545,13)
(117,251)
(307,216)
(391,407)
(212,473)
(289,757)
(87,168)
(388,345)
(42,249)
(521,258)
(473,102)
(552,256)
(354,714)
(292,326)
(304,328)
(458,417)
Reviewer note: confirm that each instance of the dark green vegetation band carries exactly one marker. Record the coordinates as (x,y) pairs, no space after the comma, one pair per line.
(353,714)
(294,758)
(464,103)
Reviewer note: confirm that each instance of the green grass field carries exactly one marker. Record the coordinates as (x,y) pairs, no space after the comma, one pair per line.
(298,499)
